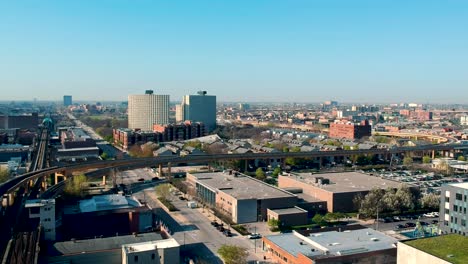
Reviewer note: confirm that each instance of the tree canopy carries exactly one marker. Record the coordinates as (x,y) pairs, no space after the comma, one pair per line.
(232,254)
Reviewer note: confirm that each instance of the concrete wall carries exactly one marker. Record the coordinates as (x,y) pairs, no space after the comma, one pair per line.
(410,255)
(244,211)
(275,203)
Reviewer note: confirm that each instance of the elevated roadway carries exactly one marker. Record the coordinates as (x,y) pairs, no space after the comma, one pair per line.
(12,185)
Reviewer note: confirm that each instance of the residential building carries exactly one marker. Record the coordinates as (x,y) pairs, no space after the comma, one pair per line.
(453,208)
(347,244)
(434,250)
(67,100)
(464,120)
(336,189)
(159,252)
(340,129)
(44,211)
(145,110)
(244,199)
(198,108)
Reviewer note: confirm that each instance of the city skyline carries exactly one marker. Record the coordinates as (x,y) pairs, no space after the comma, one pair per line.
(266,51)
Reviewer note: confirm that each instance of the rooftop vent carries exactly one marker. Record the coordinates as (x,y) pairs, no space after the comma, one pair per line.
(374,239)
(149,92)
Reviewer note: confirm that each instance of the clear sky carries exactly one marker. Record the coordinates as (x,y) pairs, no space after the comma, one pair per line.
(253,50)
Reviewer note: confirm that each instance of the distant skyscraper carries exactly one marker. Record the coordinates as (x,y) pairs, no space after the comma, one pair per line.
(198,108)
(145,110)
(67,100)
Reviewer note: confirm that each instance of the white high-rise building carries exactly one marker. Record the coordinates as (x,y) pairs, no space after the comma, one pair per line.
(198,108)
(145,110)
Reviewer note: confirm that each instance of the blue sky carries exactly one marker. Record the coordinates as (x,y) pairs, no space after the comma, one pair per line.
(297,51)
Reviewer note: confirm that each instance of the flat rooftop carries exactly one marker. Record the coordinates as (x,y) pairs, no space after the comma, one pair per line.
(286,211)
(333,243)
(107,202)
(241,186)
(442,246)
(150,245)
(39,202)
(97,244)
(463,185)
(341,182)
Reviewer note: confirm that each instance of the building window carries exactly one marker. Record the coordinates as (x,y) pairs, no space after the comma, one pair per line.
(463,222)
(458,196)
(447,199)
(464,210)
(153,256)
(451,219)
(447,211)
(455,208)
(135,258)
(445,223)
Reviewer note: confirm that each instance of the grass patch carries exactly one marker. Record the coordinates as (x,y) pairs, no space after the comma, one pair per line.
(441,246)
(241,229)
(168,204)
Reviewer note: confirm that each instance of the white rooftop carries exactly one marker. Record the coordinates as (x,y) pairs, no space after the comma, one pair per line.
(107,202)
(150,245)
(463,185)
(38,202)
(333,243)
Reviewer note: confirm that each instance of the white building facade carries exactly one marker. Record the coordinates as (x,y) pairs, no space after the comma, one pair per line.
(145,110)
(198,108)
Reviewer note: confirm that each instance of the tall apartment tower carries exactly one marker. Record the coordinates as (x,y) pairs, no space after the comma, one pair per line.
(67,100)
(198,108)
(145,110)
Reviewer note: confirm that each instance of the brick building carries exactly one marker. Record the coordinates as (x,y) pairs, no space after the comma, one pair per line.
(350,130)
(126,138)
(336,189)
(347,244)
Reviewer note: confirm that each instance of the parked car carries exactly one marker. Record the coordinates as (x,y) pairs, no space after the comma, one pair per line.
(399,226)
(434,222)
(396,218)
(221,228)
(254,236)
(431,214)
(409,224)
(227,233)
(214,223)
(388,219)
(423,223)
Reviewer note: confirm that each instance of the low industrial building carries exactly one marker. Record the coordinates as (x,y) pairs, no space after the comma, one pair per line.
(348,244)
(434,250)
(106,215)
(289,216)
(336,189)
(43,211)
(243,198)
(114,250)
(161,252)
(76,145)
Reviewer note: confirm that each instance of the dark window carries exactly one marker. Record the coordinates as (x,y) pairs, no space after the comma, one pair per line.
(446,223)
(458,196)
(456,220)
(153,256)
(463,222)
(447,211)
(455,208)
(464,210)
(447,199)
(135,258)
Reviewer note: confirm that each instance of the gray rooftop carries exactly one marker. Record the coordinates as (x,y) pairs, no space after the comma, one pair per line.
(346,181)
(89,245)
(286,211)
(335,243)
(240,187)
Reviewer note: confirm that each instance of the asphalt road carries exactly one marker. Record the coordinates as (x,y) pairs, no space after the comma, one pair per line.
(391,226)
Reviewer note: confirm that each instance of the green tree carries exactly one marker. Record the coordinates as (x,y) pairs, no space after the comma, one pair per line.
(285,149)
(194,144)
(390,200)
(334,216)
(426,159)
(232,254)
(276,172)
(274,224)
(461,158)
(260,174)
(104,156)
(75,186)
(4,175)
(372,202)
(430,201)
(408,161)
(163,190)
(405,198)
(319,219)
